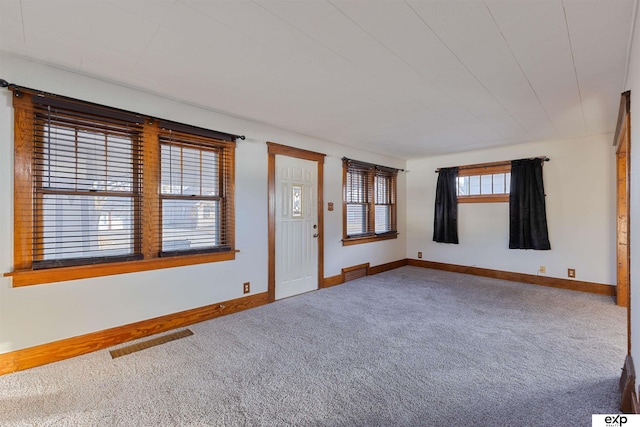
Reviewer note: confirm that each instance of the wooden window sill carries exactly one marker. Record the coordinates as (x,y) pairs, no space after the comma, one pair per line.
(50,275)
(368,239)
(484,199)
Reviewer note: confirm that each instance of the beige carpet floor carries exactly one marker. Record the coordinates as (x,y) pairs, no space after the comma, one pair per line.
(409,347)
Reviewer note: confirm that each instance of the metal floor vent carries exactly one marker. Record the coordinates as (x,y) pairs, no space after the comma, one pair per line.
(150,343)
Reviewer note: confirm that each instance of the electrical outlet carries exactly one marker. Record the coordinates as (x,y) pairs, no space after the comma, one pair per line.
(571,273)
(543,269)
(247,287)
(419,254)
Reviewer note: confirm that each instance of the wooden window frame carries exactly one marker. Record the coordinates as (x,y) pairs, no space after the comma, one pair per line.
(23,273)
(371,171)
(484,169)
(225,155)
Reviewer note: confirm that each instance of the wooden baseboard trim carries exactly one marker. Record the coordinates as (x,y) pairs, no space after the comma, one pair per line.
(64,349)
(554,282)
(388,266)
(333,281)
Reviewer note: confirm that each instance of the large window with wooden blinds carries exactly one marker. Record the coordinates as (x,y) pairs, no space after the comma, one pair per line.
(102,191)
(369,207)
(86,184)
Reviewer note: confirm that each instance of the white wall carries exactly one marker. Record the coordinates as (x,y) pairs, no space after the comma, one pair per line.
(633,84)
(39,314)
(579,183)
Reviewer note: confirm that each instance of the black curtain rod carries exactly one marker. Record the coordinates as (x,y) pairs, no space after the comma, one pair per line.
(13,86)
(370,164)
(505,163)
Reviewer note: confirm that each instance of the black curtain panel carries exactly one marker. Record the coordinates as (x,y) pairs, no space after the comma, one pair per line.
(527,211)
(445,223)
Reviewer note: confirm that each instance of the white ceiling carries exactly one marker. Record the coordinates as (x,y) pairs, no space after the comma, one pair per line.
(403,78)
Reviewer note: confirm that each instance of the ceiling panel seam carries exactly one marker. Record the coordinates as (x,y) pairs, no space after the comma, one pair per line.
(575,71)
(546,113)
(410,66)
(634,15)
(470,72)
(24,32)
(270,48)
(420,74)
(155,34)
(445,119)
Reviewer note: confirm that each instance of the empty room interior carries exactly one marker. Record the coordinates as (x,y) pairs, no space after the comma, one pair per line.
(323,212)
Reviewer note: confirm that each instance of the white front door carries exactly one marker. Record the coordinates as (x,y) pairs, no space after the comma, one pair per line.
(296,226)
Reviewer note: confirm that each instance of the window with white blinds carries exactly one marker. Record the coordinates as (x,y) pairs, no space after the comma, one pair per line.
(95,185)
(369,202)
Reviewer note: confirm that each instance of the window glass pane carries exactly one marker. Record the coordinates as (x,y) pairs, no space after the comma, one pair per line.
(355,191)
(210,173)
(383,218)
(59,158)
(356,219)
(498,183)
(76,160)
(463,185)
(485,184)
(171,181)
(297,207)
(190,224)
(91,161)
(190,172)
(474,185)
(508,182)
(85,226)
(382,191)
(119,175)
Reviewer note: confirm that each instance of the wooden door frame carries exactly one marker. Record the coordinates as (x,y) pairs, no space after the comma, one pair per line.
(622,143)
(283,150)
